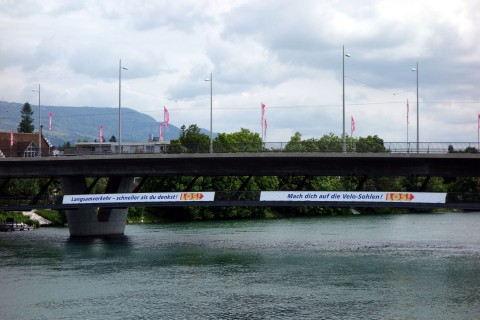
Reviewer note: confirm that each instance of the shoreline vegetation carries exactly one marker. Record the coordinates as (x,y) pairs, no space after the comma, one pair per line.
(35,218)
(141,215)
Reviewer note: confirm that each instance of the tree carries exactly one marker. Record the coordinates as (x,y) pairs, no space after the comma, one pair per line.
(466,188)
(113,139)
(327,143)
(176,147)
(26,124)
(370,144)
(330,143)
(192,139)
(295,143)
(242,141)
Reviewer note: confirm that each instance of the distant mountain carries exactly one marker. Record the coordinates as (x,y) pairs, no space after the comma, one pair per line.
(83,123)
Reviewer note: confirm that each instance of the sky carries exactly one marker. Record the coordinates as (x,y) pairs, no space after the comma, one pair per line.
(288,55)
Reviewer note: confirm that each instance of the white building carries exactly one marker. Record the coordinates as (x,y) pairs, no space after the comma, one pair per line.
(150,146)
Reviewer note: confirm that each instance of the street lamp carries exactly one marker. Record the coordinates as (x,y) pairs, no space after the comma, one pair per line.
(211,108)
(418,121)
(344,144)
(39,122)
(120,68)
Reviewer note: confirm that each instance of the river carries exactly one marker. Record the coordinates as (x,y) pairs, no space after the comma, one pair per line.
(411,266)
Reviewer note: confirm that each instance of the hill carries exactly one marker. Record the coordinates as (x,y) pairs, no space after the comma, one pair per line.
(83,123)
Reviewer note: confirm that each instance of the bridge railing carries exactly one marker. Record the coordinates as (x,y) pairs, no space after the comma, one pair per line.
(29,201)
(389,147)
(303,146)
(431,147)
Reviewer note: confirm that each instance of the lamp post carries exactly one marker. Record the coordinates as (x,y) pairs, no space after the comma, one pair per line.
(344,143)
(39,122)
(211,110)
(120,68)
(418,118)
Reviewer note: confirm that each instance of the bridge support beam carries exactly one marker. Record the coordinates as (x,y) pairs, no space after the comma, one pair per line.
(89,221)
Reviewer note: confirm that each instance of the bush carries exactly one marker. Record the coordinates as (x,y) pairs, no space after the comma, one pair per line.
(16,216)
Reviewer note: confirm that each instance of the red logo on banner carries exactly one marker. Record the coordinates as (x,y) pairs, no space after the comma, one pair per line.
(191,196)
(400,197)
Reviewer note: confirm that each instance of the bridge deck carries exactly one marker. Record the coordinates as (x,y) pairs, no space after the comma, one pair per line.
(246,164)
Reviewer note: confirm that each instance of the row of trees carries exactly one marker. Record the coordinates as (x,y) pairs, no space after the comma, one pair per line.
(191,140)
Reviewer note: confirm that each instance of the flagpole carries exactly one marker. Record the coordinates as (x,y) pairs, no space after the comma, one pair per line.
(265,130)
(211,112)
(408,109)
(11,141)
(344,148)
(49,131)
(351,132)
(352,129)
(418,114)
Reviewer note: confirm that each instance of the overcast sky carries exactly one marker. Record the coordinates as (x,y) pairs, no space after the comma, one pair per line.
(286,54)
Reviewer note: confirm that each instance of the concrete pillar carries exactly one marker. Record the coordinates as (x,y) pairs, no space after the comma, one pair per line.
(91,221)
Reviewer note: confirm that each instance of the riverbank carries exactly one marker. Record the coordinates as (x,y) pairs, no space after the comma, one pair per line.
(32,215)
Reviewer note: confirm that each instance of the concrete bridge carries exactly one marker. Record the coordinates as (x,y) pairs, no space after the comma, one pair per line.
(121,170)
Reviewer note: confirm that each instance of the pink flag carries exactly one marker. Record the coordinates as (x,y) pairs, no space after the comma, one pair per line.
(263,112)
(479,121)
(408,110)
(166,117)
(161,132)
(264,129)
(50,123)
(11,138)
(353,126)
(101,133)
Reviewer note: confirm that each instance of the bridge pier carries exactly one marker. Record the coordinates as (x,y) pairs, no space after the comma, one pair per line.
(91,221)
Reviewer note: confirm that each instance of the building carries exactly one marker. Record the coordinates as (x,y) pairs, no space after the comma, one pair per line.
(151,146)
(23,145)
(26,145)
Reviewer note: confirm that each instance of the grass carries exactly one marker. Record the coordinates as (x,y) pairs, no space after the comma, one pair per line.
(17,217)
(57,218)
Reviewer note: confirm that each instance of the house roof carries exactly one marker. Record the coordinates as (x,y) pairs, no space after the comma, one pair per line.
(20,142)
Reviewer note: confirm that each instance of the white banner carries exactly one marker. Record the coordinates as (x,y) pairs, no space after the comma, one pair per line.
(138,197)
(354,196)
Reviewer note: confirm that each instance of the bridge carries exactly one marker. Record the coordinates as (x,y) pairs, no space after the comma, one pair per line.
(121,169)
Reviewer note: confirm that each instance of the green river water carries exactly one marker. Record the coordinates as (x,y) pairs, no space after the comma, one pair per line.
(417,266)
